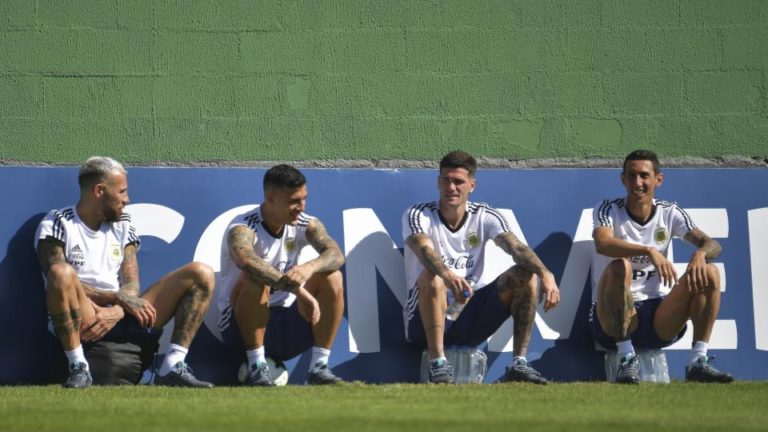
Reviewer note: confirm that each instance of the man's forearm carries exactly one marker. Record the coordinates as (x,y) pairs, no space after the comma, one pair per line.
(328,261)
(100,297)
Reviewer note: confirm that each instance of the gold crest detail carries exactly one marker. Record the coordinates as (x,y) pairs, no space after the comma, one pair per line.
(114,251)
(290,244)
(660,235)
(473,240)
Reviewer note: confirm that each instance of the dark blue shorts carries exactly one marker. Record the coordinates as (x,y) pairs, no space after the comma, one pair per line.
(644,337)
(480,319)
(288,334)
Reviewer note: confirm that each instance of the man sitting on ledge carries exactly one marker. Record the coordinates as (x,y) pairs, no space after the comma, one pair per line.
(88,256)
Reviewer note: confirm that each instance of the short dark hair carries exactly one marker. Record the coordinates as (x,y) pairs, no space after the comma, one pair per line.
(642,155)
(284,176)
(459,159)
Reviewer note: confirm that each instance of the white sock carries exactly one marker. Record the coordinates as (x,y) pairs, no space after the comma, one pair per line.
(255,356)
(319,355)
(518,359)
(624,348)
(174,355)
(699,350)
(76,356)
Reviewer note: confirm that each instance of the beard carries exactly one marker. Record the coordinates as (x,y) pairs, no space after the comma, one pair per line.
(111,215)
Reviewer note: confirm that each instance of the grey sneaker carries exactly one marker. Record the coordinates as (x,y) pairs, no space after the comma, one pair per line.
(181,376)
(703,371)
(440,372)
(629,370)
(258,376)
(321,374)
(521,371)
(79,376)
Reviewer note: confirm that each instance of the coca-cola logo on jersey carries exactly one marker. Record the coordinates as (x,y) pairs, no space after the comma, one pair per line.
(460,263)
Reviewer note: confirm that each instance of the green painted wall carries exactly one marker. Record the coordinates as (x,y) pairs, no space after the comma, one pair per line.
(211,80)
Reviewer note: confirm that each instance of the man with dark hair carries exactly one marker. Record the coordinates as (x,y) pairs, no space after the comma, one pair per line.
(640,302)
(88,256)
(271,305)
(444,263)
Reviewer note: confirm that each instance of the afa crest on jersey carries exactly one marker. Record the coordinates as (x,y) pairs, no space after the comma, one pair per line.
(660,235)
(290,244)
(114,251)
(473,240)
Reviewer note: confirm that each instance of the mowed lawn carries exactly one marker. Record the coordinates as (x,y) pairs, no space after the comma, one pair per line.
(395,407)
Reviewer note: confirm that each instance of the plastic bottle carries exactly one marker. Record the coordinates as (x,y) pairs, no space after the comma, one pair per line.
(455,308)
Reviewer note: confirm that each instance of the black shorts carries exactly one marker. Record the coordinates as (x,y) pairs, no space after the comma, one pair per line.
(288,333)
(644,336)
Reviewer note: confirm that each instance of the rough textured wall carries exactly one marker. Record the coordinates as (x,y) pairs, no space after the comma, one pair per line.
(215,80)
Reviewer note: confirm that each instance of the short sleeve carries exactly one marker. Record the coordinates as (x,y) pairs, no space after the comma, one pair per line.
(52,226)
(601,215)
(131,236)
(681,222)
(494,223)
(416,220)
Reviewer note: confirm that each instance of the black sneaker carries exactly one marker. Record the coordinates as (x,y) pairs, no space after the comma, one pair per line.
(629,370)
(321,374)
(521,371)
(79,376)
(440,372)
(703,371)
(181,376)
(258,376)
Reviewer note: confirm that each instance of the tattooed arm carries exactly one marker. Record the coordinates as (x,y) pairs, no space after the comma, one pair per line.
(330,258)
(707,249)
(240,245)
(424,249)
(526,258)
(128,294)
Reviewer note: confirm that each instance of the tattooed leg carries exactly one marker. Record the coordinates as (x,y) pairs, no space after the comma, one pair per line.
(615,307)
(517,291)
(66,303)
(185,295)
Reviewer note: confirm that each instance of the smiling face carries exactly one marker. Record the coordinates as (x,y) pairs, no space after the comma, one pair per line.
(112,195)
(287,204)
(455,185)
(640,180)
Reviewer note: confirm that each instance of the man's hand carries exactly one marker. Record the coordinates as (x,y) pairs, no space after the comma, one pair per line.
(139,308)
(309,309)
(461,289)
(664,266)
(102,322)
(549,292)
(295,277)
(697,272)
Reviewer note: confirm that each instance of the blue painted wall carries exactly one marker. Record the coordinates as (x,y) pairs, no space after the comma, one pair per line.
(175,209)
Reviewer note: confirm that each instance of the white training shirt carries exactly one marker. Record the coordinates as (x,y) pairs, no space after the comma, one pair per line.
(462,250)
(95,255)
(282,253)
(667,221)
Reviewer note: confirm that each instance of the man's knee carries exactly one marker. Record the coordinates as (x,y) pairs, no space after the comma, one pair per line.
(713,274)
(61,277)
(618,268)
(203,276)
(429,284)
(517,280)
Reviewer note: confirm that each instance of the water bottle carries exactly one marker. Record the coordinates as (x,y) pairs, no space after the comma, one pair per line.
(455,308)
(469,364)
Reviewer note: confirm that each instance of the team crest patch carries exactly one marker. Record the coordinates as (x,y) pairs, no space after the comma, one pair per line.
(660,235)
(473,240)
(290,244)
(114,251)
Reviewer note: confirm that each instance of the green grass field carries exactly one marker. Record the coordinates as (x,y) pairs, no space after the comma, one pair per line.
(401,407)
